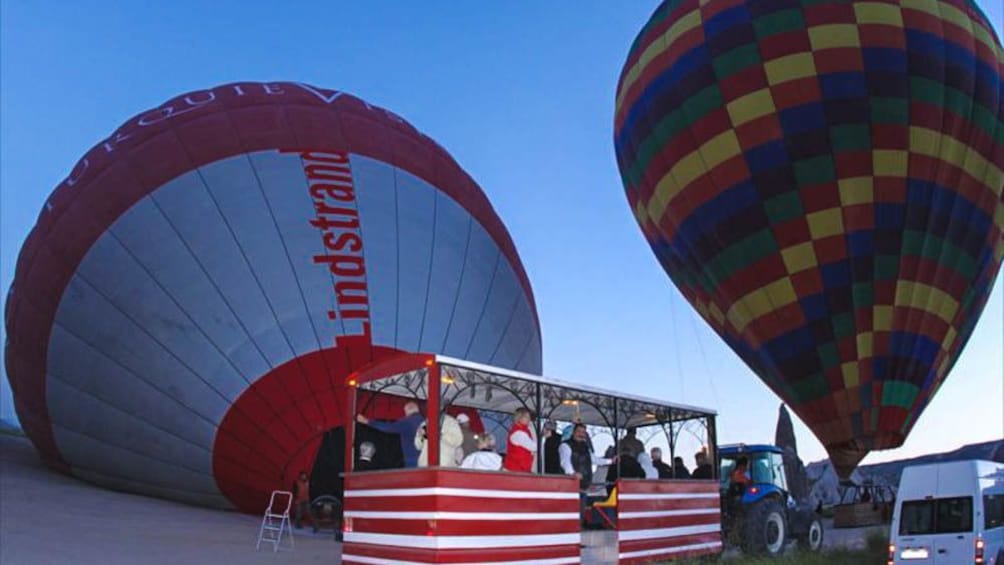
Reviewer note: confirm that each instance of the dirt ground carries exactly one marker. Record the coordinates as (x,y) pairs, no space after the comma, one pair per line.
(46,517)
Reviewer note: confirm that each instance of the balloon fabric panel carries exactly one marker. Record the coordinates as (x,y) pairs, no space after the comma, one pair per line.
(187,309)
(822,181)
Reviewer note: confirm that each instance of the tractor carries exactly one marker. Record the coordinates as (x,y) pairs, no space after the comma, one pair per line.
(758,513)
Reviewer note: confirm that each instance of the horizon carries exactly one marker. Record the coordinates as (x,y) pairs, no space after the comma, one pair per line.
(531,123)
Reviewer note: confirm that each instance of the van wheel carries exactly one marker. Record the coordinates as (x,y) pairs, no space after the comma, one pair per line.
(813,539)
(766,530)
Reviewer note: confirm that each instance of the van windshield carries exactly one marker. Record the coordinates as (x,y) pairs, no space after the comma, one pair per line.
(936,516)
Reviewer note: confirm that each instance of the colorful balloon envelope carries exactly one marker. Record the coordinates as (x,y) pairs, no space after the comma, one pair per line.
(822,181)
(186,312)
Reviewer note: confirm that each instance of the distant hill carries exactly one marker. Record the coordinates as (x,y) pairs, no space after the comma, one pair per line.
(824,485)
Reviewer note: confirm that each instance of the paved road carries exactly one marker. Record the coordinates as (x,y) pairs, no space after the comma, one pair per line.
(47,517)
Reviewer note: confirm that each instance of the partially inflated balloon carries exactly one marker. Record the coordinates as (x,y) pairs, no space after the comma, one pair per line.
(822,180)
(186,311)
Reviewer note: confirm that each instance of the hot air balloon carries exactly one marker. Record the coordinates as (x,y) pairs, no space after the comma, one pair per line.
(822,181)
(186,311)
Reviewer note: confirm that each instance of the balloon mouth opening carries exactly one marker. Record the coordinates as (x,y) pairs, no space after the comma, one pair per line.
(846,456)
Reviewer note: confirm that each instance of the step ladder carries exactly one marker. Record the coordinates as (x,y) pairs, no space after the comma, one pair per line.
(275,522)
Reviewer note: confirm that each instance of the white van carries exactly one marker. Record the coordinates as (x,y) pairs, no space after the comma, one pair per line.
(949,513)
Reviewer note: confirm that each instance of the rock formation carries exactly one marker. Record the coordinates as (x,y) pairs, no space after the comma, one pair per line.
(794,469)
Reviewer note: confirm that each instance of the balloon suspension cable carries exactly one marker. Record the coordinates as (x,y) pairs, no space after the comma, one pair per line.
(676,347)
(704,358)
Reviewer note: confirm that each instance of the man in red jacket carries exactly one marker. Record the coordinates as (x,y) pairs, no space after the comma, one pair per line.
(521,446)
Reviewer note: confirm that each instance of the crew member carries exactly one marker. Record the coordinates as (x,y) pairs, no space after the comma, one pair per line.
(406,428)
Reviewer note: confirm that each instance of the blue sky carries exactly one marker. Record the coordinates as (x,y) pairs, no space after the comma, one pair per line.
(521,94)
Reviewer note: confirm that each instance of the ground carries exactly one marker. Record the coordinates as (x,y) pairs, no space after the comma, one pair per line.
(849,538)
(46,517)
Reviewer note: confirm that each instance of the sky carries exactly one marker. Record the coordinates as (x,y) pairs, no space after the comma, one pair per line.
(520,93)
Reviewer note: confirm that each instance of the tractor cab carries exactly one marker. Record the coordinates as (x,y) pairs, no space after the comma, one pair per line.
(758,513)
(763,470)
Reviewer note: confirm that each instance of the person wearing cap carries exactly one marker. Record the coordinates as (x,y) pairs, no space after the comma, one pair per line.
(552,444)
(470,443)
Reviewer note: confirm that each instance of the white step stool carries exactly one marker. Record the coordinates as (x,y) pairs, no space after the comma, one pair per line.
(276,520)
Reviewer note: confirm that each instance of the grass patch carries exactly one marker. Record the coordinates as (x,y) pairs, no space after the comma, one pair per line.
(874,553)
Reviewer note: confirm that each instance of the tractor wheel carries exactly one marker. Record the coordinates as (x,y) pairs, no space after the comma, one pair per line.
(813,539)
(766,529)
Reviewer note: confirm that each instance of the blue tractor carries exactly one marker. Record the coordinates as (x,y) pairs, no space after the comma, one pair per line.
(758,513)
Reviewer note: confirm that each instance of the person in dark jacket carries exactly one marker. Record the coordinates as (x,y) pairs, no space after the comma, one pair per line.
(679,469)
(626,467)
(703,469)
(552,444)
(406,428)
(665,471)
(630,445)
(577,458)
(301,499)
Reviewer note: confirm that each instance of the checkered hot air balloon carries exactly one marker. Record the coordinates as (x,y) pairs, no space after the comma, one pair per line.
(822,181)
(187,309)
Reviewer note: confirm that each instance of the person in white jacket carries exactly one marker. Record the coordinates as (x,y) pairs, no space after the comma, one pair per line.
(646,464)
(450,440)
(485,458)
